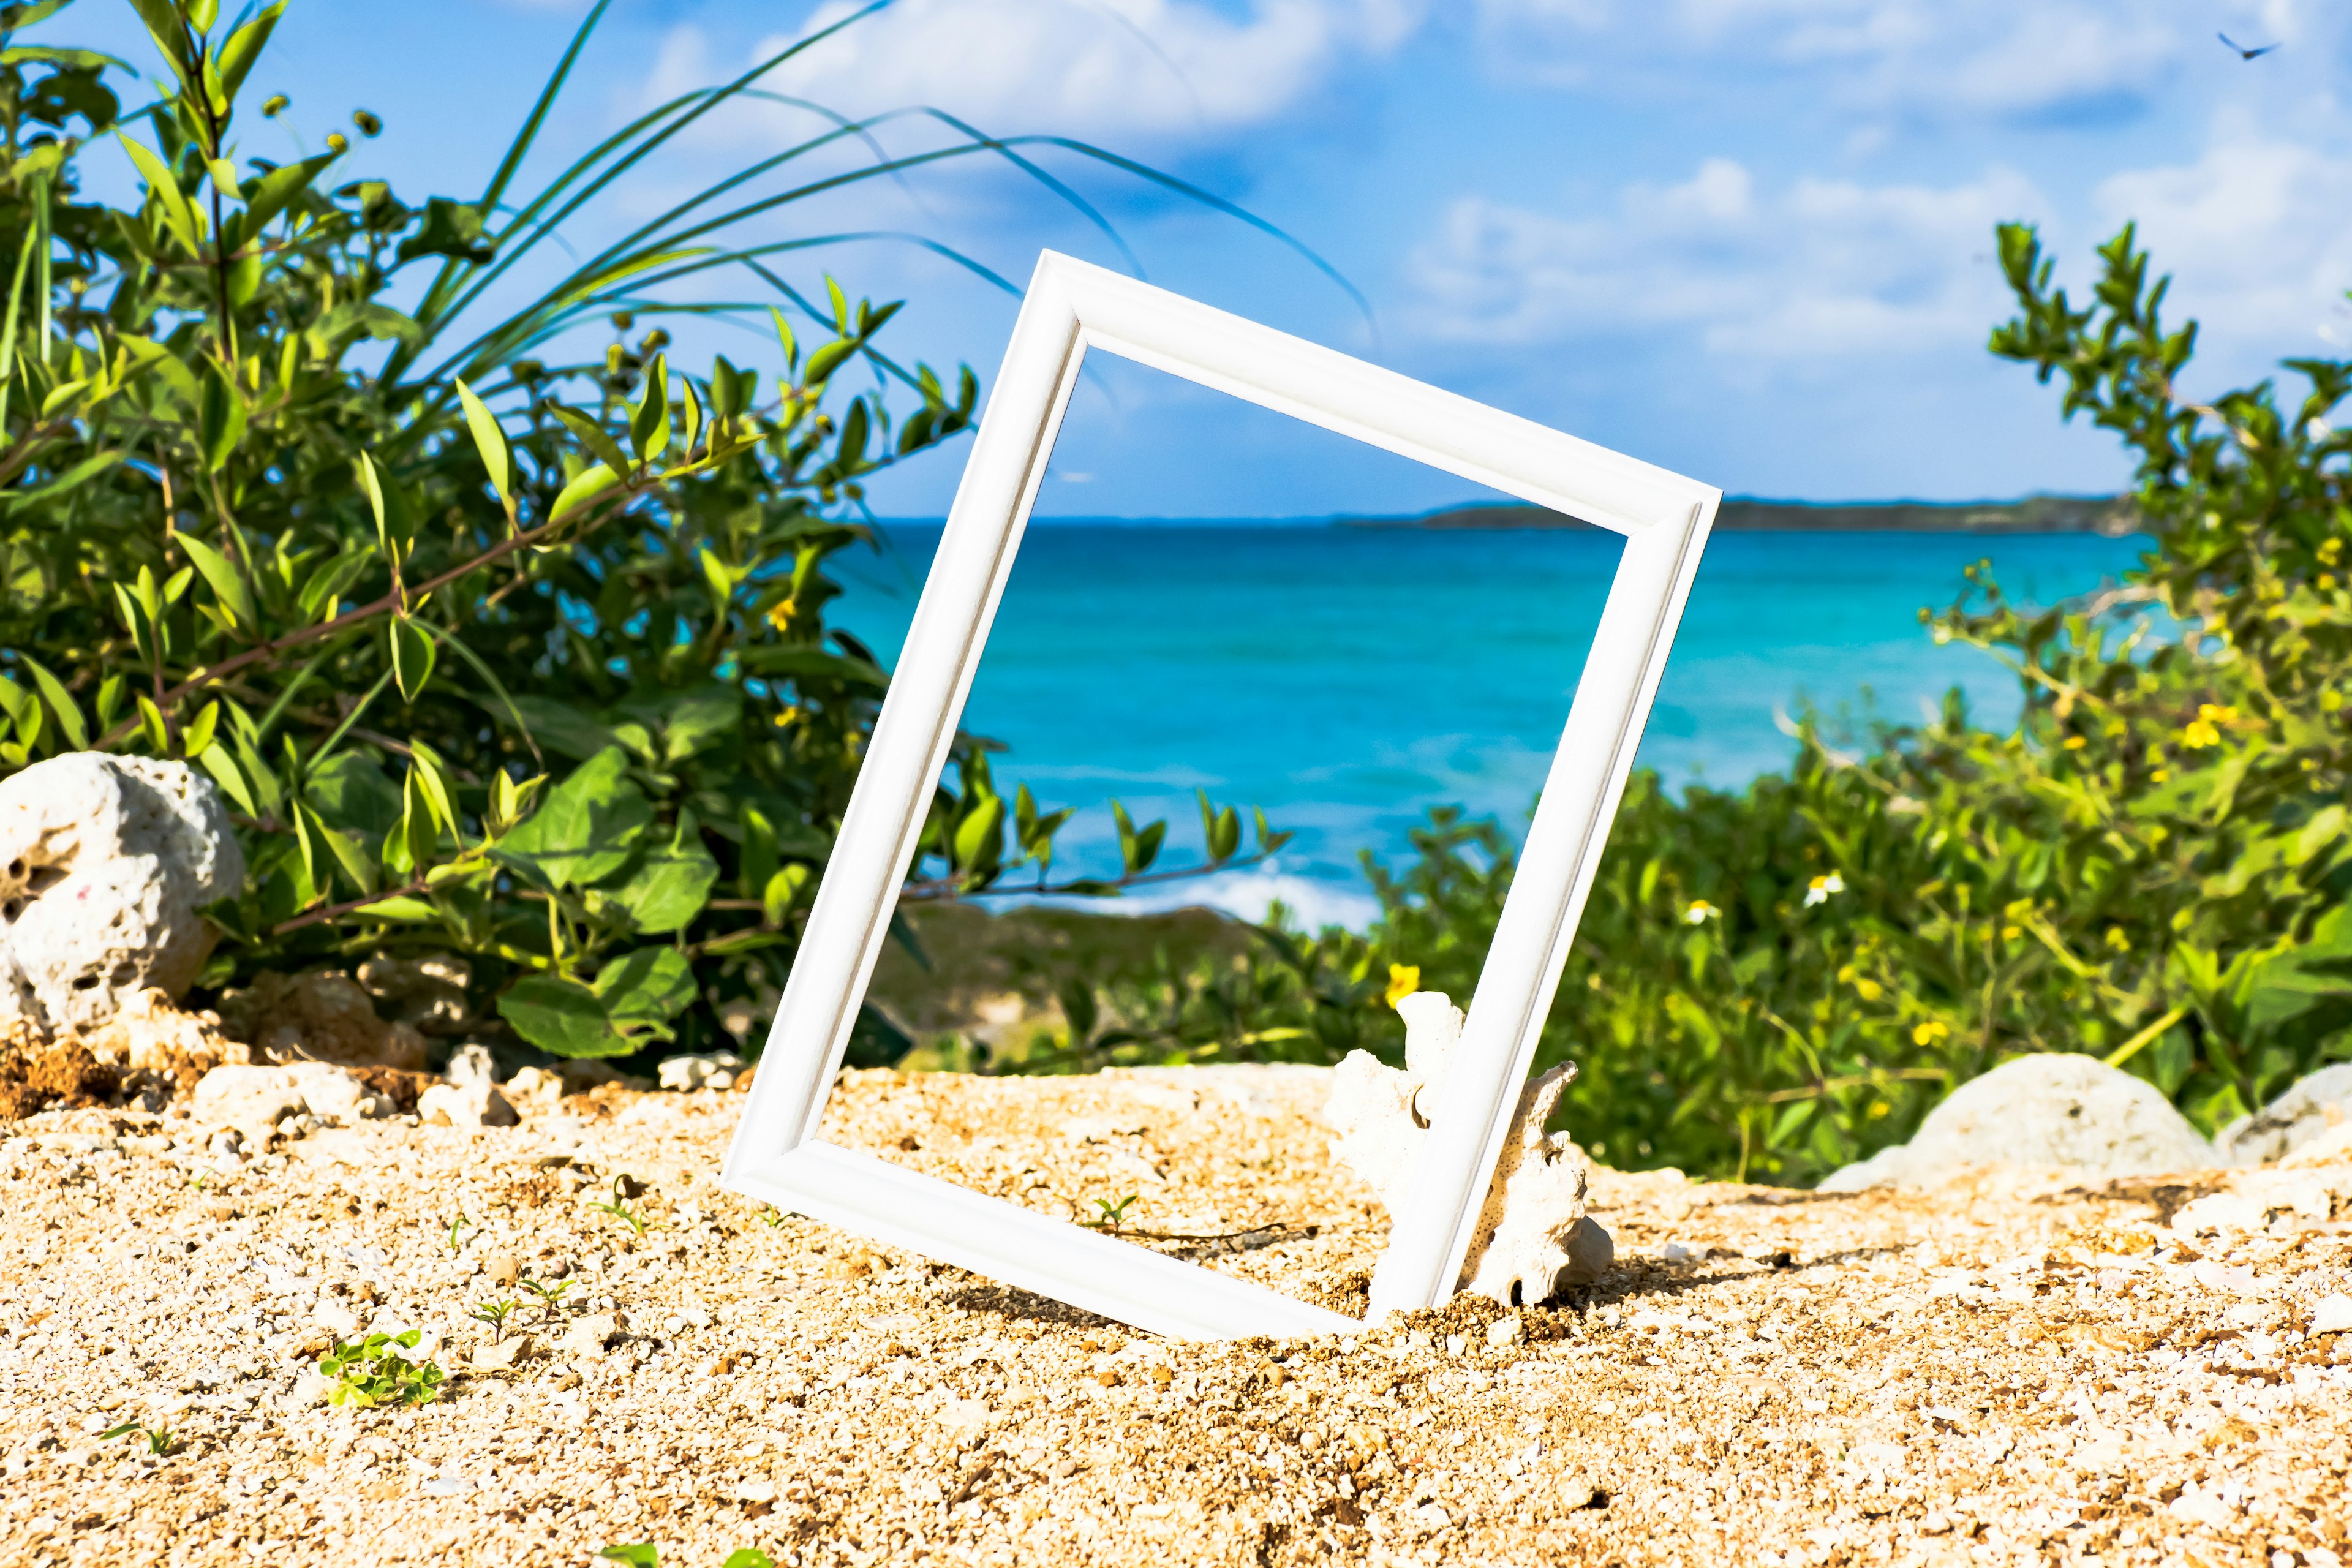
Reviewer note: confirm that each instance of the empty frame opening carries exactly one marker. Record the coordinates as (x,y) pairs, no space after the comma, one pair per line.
(1301,624)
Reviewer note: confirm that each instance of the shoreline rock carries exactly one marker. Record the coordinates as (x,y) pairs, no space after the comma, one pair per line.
(2052,1110)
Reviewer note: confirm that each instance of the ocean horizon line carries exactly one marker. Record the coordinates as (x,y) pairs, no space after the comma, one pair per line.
(2040,513)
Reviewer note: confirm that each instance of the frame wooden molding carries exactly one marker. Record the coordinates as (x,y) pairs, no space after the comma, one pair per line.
(1072,306)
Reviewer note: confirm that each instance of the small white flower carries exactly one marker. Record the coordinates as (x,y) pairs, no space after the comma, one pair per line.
(1699,912)
(1819,890)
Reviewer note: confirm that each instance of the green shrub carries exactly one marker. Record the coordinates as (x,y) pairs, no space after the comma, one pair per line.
(2151,866)
(519,656)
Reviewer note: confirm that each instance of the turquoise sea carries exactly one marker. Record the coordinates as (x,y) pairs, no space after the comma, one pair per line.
(1348,679)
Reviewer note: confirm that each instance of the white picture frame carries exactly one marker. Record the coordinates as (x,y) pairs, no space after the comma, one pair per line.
(1071,308)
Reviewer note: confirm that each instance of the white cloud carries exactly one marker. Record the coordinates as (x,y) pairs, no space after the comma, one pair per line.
(2257,231)
(2000,57)
(1092,68)
(1815,270)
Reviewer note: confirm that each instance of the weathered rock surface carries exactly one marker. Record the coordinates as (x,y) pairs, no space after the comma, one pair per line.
(104,862)
(320,1016)
(253,1098)
(428,994)
(149,1034)
(2311,1108)
(1520,1252)
(2054,1110)
(715,1071)
(37,1072)
(466,1105)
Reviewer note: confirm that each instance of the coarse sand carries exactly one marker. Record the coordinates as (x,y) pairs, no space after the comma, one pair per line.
(2005,1369)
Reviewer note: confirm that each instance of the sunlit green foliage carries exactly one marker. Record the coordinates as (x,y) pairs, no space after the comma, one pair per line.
(2151,866)
(496,644)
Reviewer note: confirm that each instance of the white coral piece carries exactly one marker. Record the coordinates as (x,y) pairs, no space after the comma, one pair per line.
(1533,1235)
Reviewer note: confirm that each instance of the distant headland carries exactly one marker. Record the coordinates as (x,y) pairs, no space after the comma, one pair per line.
(2109,515)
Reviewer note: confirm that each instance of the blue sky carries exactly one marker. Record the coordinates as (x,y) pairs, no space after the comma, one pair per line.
(1749,239)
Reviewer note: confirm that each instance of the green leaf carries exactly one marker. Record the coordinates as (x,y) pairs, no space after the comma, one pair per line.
(748,1557)
(351,791)
(728,391)
(630,1003)
(215,760)
(561,727)
(332,580)
(669,885)
(979,836)
(807,663)
(432,776)
(828,359)
(245,46)
(490,441)
(358,867)
(562,1017)
(785,338)
(783,891)
(400,909)
(81,473)
(585,828)
(196,737)
(411,651)
(275,191)
(637,1554)
(220,418)
(647,989)
(596,439)
(693,720)
(61,703)
(592,483)
(178,215)
(650,422)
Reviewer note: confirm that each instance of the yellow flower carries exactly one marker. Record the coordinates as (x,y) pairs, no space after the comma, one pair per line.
(2328,582)
(2159,775)
(2008,933)
(2117,939)
(2213,715)
(2199,733)
(1929,1032)
(1869,990)
(2075,742)
(1404,979)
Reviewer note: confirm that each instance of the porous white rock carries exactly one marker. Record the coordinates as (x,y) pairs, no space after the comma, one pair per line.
(2052,1110)
(332,1094)
(471,1105)
(2309,1110)
(470,1064)
(104,862)
(535,1088)
(589,1335)
(1532,1237)
(715,1071)
(254,1098)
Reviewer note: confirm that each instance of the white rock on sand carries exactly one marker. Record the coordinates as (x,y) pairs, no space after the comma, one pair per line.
(715,1071)
(2052,1110)
(256,1097)
(1533,1236)
(2309,1110)
(104,862)
(472,1104)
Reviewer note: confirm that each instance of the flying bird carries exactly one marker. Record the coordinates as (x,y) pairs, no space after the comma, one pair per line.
(2245,53)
